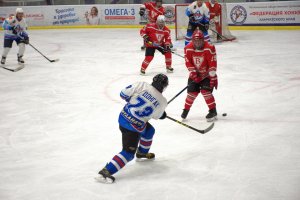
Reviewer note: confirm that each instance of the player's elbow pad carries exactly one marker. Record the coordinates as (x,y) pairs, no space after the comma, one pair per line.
(164,115)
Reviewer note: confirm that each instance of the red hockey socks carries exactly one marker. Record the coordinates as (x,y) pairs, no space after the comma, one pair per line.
(146,62)
(209,99)
(191,96)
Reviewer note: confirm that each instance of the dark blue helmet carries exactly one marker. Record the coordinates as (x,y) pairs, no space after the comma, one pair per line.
(160,82)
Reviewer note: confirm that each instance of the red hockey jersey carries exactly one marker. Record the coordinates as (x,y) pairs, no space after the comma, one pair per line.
(153,11)
(202,61)
(157,37)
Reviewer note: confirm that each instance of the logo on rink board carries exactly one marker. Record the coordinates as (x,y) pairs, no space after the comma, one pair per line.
(170,14)
(238,15)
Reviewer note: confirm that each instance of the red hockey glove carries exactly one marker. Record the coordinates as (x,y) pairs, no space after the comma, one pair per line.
(195,76)
(213,82)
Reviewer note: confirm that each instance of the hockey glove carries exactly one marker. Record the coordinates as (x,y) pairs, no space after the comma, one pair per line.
(142,11)
(192,18)
(164,115)
(167,48)
(195,76)
(26,40)
(213,82)
(146,39)
(206,26)
(15,30)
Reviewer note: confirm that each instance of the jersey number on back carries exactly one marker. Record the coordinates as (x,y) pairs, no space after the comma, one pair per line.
(141,111)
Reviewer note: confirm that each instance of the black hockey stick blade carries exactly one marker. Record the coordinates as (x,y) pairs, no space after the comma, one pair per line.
(56,60)
(14,70)
(43,54)
(190,127)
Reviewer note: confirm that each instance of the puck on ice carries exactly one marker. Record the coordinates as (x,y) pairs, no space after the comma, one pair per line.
(224,114)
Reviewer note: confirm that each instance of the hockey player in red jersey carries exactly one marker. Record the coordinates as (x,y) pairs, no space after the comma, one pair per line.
(215,10)
(157,37)
(154,9)
(201,61)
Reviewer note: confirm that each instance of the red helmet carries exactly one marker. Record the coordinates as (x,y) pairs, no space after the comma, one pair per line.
(198,39)
(197,35)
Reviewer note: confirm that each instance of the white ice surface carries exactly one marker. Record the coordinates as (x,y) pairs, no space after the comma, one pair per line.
(58,121)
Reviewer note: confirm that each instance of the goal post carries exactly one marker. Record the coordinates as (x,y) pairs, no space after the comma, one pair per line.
(181,23)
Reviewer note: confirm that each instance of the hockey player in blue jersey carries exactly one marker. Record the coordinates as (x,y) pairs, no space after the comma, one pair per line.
(144,102)
(15,30)
(198,15)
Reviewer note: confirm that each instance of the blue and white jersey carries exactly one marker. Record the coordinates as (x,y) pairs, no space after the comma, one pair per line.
(201,14)
(144,102)
(11,22)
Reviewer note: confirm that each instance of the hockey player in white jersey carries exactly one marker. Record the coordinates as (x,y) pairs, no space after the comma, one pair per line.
(15,30)
(199,15)
(144,102)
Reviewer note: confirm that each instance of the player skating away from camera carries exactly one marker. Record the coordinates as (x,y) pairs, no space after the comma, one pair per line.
(154,10)
(201,61)
(215,10)
(198,15)
(144,102)
(157,37)
(15,30)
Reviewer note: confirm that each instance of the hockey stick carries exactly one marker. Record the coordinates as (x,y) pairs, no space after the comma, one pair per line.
(22,38)
(190,127)
(222,36)
(178,94)
(160,47)
(43,54)
(14,70)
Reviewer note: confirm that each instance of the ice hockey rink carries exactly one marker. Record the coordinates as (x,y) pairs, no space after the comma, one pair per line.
(59,121)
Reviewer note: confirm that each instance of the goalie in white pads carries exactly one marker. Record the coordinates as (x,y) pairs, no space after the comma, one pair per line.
(144,102)
(15,27)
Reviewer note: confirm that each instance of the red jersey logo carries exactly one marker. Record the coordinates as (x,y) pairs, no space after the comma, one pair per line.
(159,37)
(198,60)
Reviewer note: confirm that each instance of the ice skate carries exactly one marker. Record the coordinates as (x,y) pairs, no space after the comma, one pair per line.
(142,72)
(105,177)
(20,60)
(144,156)
(3,59)
(169,69)
(184,114)
(212,115)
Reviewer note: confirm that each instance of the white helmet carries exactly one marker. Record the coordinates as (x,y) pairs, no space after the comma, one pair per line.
(19,10)
(160,21)
(161,18)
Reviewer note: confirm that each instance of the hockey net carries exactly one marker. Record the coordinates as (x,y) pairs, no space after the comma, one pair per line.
(181,23)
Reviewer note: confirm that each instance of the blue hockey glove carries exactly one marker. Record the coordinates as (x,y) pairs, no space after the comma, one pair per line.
(192,18)
(15,30)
